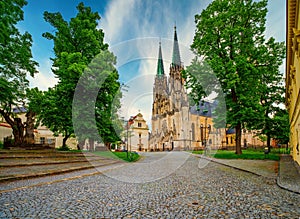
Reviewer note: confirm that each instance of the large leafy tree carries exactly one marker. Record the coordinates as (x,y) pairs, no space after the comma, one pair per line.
(230,38)
(108,100)
(272,90)
(280,129)
(98,96)
(76,44)
(15,63)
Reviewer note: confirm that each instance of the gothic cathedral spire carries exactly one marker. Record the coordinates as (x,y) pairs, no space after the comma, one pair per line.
(176,55)
(160,64)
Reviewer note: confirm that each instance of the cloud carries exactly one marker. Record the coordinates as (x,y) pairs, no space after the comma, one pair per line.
(133,30)
(117,13)
(44,78)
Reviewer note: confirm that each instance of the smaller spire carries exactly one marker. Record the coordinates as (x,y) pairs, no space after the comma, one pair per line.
(176,54)
(160,64)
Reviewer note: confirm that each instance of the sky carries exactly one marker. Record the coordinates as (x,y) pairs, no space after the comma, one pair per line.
(133,30)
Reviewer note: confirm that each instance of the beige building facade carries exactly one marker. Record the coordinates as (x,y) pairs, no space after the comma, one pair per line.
(250,139)
(293,75)
(42,135)
(139,133)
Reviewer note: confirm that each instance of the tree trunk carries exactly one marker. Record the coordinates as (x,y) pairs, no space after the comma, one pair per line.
(238,138)
(17,128)
(107,144)
(18,132)
(238,127)
(91,144)
(66,137)
(29,127)
(269,142)
(65,141)
(80,144)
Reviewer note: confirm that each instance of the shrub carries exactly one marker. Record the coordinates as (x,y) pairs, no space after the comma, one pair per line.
(63,148)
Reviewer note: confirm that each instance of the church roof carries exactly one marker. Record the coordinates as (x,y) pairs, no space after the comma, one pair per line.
(21,109)
(176,54)
(204,108)
(139,115)
(230,131)
(160,64)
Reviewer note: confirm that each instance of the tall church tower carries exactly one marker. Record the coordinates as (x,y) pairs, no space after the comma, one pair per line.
(178,98)
(176,81)
(170,109)
(160,89)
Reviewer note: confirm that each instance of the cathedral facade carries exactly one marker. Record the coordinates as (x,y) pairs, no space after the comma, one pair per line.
(176,125)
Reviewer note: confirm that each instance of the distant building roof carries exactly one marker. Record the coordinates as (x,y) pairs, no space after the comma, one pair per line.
(3,124)
(21,109)
(230,131)
(204,108)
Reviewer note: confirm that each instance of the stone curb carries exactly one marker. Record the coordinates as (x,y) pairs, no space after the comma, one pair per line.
(49,173)
(49,163)
(285,188)
(247,171)
(39,164)
(237,168)
(281,185)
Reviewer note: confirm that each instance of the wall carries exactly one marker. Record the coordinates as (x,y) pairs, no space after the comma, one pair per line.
(293,75)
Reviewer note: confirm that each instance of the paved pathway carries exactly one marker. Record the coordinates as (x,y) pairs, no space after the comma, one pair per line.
(265,168)
(289,174)
(212,191)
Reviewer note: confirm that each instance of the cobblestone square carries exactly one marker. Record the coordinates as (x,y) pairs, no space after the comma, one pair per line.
(214,191)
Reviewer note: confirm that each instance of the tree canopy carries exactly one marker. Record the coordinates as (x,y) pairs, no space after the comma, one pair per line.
(230,36)
(97,100)
(15,64)
(76,44)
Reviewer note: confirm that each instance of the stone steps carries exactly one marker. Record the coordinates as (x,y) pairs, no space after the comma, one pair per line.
(22,164)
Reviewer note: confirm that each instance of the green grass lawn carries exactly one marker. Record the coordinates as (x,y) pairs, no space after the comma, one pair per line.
(132,157)
(247,154)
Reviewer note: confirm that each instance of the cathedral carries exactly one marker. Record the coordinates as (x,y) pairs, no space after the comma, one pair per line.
(176,125)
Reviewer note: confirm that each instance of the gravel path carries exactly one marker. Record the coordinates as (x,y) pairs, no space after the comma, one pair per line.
(215,191)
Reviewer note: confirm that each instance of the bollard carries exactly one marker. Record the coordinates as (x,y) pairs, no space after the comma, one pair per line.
(266,150)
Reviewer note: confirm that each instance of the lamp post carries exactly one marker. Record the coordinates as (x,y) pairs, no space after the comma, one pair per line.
(129,145)
(126,138)
(183,137)
(190,139)
(205,136)
(125,122)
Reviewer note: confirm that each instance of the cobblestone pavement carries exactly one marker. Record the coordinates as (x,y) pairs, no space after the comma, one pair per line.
(215,191)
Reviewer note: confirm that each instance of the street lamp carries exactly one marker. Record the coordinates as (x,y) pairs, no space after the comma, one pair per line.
(126,138)
(183,137)
(126,122)
(129,145)
(190,139)
(205,135)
